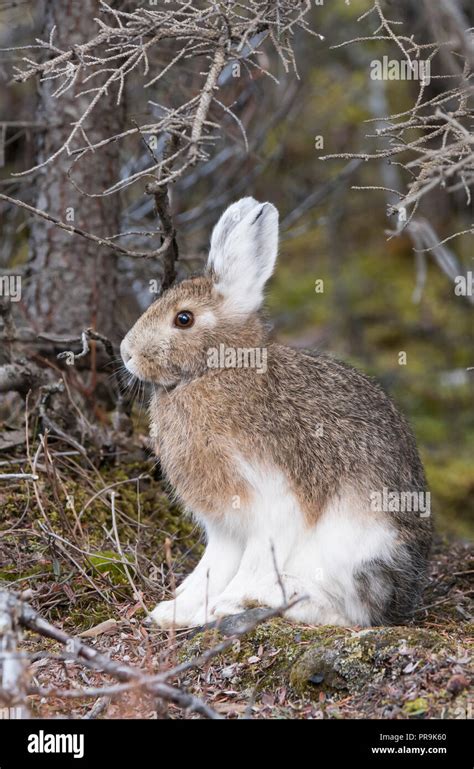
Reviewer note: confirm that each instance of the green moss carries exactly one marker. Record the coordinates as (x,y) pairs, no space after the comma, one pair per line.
(10,573)
(82,618)
(416,707)
(106,562)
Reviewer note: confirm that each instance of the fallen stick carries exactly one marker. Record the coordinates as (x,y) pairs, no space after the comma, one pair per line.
(15,613)
(13,664)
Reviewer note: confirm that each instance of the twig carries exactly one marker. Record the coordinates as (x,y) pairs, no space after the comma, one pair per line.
(29,618)
(88,235)
(13,664)
(18,477)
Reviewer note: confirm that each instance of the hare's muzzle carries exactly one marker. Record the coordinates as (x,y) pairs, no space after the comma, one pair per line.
(124,352)
(127,357)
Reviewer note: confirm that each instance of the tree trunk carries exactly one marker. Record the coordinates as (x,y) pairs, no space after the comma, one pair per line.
(72,282)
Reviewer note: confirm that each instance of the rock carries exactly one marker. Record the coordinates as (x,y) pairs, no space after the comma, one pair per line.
(388,672)
(237,623)
(354,661)
(457,683)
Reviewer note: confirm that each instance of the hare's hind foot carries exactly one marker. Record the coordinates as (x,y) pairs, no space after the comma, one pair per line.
(310,607)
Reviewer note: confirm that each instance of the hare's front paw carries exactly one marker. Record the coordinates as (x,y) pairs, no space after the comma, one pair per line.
(170,614)
(227,605)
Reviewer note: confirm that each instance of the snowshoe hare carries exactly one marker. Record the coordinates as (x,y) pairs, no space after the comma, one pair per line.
(300,469)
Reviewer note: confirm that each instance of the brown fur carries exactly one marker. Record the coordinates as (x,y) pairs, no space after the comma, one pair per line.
(277,415)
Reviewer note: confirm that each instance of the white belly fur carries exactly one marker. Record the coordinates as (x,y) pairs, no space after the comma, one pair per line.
(318,562)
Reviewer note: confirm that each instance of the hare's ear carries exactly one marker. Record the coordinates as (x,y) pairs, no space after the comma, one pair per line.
(244,247)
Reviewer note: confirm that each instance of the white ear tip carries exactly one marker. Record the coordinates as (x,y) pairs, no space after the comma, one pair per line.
(241,208)
(269,211)
(247,201)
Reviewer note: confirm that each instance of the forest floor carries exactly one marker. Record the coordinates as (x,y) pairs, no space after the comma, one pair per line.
(92,545)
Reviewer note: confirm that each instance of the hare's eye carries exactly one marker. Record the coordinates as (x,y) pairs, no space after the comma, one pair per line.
(184,319)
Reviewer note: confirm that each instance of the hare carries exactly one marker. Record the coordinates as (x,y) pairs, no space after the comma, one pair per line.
(302,473)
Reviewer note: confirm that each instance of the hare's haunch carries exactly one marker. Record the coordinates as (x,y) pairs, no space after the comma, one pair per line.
(299,468)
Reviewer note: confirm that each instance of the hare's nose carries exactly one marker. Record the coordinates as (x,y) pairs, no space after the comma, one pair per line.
(124,352)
